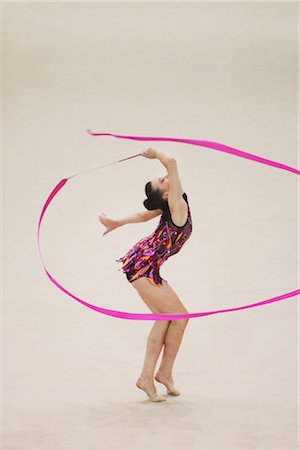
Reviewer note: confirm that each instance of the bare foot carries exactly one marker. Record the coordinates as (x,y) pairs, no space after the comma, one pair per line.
(168,382)
(147,385)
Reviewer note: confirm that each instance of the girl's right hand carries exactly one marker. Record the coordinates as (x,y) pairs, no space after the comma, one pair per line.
(110,224)
(150,153)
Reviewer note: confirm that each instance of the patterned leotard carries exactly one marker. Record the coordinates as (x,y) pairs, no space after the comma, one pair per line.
(148,254)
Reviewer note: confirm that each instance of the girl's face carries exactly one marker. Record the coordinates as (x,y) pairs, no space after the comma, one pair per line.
(162,183)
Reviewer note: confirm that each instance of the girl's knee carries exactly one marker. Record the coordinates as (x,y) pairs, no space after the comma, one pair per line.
(185,322)
(181,323)
(154,341)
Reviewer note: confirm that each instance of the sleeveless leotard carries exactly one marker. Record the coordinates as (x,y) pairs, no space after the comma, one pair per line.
(149,253)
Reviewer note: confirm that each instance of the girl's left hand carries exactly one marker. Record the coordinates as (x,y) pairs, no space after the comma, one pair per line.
(110,224)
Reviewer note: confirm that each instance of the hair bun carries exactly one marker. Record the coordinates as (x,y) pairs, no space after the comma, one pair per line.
(148,205)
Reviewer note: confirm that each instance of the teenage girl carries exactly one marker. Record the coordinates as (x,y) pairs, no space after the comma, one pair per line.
(165,197)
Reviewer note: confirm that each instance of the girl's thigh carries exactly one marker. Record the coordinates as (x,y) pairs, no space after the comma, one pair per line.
(160,298)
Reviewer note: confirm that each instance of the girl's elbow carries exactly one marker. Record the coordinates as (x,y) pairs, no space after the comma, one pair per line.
(171,160)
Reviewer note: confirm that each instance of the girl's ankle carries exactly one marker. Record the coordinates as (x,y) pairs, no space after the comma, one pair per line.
(146,377)
(165,374)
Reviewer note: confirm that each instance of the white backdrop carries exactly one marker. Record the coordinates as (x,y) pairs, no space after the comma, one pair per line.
(225,72)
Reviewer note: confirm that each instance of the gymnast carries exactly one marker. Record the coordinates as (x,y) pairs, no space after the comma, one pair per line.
(141,264)
(165,197)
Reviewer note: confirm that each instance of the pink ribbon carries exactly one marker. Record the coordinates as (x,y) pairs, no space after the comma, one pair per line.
(165,316)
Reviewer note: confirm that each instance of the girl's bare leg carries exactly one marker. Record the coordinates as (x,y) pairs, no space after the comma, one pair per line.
(173,339)
(155,342)
(161,300)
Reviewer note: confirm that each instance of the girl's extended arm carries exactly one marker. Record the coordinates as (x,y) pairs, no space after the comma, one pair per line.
(131,218)
(143,216)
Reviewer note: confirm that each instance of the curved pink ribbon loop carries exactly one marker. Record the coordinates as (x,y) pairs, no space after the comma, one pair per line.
(136,316)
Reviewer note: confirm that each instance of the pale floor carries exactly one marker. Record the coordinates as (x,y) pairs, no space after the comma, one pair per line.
(75,388)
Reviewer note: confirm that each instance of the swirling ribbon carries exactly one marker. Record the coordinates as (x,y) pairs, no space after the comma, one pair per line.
(164,316)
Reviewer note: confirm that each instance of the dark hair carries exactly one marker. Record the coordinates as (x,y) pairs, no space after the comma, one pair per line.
(154,198)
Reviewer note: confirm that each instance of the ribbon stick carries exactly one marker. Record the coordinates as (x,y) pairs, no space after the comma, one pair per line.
(164,316)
